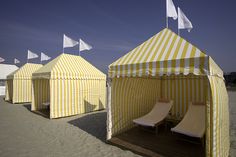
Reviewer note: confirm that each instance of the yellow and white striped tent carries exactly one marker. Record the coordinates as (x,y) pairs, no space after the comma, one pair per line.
(167,66)
(18,84)
(71,85)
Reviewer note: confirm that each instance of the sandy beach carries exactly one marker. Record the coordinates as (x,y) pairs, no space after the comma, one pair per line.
(23,133)
(26,134)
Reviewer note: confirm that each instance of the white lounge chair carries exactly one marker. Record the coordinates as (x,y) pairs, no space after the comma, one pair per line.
(156,115)
(193,123)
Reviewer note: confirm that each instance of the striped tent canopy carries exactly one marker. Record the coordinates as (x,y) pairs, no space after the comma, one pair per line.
(165,53)
(25,72)
(67,66)
(18,85)
(167,66)
(71,85)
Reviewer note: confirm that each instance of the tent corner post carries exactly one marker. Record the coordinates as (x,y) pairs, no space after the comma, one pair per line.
(108,108)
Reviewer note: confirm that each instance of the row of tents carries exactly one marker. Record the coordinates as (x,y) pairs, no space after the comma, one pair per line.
(164,66)
(68,83)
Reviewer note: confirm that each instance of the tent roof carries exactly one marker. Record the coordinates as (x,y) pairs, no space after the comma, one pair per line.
(164,53)
(24,72)
(67,66)
(6,69)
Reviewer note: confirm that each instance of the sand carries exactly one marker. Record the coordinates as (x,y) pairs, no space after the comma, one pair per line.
(26,134)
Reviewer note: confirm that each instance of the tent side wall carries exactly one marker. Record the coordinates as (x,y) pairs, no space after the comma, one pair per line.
(22,90)
(182,90)
(218,130)
(40,93)
(131,98)
(75,96)
(9,89)
(134,97)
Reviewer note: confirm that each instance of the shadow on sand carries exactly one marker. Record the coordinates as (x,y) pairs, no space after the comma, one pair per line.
(27,106)
(44,112)
(93,123)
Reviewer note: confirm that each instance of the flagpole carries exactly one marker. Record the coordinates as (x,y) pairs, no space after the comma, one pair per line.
(63,43)
(178,23)
(79,47)
(166,22)
(166,16)
(78,50)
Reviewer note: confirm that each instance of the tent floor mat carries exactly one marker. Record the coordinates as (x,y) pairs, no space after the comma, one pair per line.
(165,143)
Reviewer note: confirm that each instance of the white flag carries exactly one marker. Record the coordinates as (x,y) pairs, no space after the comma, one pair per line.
(68,42)
(183,21)
(1,59)
(170,9)
(44,57)
(16,61)
(84,46)
(31,55)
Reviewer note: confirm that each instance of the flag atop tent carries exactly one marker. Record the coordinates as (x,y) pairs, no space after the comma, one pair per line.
(31,55)
(84,46)
(44,57)
(68,42)
(183,21)
(16,61)
(2,59)
(170,11)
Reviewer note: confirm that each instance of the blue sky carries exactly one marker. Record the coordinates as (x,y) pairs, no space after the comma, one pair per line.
(112,27)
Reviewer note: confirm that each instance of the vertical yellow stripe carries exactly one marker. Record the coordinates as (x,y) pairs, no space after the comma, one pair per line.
(165,62)
(66,98)
(183,95)
(57,97)
(162,51)
(175,56)
(52,99)
(74,97)
(182,61)
(157,48)
(191,60)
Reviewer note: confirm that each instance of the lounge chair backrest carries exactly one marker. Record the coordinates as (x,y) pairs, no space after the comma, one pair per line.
(161,108)
(197,112)
(156,115)
(193,123)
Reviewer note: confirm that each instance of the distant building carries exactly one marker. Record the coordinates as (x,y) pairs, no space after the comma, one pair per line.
(5,69)
(230,79)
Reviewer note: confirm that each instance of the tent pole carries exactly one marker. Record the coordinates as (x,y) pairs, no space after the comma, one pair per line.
(166,22)
(109,121)
(78,50)
(166,16)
